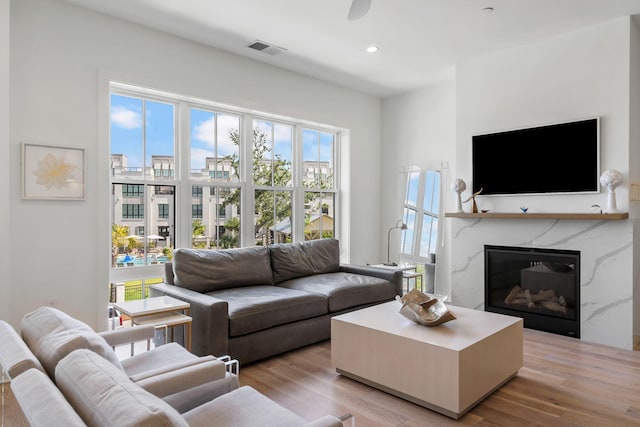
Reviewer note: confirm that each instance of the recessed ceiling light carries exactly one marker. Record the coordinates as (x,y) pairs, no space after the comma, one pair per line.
(372,49)
(487,9)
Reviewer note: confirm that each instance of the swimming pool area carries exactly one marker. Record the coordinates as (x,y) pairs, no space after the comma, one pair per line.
(133,261)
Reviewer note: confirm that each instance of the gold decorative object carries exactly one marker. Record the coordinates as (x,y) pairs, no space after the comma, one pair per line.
(474,209)
(423,309)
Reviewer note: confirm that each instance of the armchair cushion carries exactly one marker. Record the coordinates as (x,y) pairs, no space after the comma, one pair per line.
(15,356)
(293,260)
(52,334)
(246,407)
(104,396)
(41,402)
(209,270)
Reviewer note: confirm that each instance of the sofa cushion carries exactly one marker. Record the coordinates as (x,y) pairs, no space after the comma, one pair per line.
(292,260)
(15,356)
(244,407)
(255,308)
(41,402)
(52,334)
(210,270)
(344,290)
(104,396)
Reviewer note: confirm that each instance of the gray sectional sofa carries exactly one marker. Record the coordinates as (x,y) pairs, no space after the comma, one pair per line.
(256,302)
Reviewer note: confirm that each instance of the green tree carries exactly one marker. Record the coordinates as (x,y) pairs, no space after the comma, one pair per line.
(118,239)
(197,229)
(270,206)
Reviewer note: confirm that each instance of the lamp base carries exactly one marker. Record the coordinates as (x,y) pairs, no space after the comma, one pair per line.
(391,264)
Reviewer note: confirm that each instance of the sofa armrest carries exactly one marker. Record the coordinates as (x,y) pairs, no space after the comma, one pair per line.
(122,336)
(181,379)
(218,368)
(326,421)
(210,324)
(394,276)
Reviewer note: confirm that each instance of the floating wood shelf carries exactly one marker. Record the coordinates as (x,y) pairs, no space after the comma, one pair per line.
(507,215)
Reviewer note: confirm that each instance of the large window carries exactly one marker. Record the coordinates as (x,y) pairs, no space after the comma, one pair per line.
(420,213)
(191,174)
(142,154)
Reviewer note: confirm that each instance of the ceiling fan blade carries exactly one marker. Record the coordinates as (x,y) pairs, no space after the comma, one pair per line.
(358,9)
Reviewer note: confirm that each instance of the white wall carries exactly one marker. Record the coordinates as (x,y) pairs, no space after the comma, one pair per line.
(59,56)
(634,157)
(576,75)
(5,7)
(418,130)
(580,74)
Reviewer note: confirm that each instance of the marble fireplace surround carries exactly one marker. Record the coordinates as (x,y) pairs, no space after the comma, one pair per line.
(606,270)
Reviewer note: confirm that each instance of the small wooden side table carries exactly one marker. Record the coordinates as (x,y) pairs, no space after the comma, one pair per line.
(163,311)
(409,271)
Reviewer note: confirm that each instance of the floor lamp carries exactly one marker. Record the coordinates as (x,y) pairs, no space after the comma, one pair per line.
(402,226)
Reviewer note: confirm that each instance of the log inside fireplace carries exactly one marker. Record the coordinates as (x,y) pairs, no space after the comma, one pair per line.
(539,285)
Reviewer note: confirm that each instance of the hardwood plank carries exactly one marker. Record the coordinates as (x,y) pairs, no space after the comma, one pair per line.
(564,382)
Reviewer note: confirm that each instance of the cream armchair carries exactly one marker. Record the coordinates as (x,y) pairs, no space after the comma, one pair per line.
(179,377)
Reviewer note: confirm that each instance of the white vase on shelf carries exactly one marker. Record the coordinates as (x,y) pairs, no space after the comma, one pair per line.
(458,186)
(611,179)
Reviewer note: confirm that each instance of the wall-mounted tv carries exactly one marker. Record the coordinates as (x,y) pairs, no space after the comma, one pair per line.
(556,158)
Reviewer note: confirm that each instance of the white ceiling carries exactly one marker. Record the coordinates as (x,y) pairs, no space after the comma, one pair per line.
(419,40)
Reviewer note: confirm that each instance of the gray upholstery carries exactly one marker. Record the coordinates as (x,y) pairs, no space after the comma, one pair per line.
(15,356)
(250,323)
(246,407)
(254,308)
(292,260)
(211,270)
(41,402)
(344,290)
(52,334)
(103,395)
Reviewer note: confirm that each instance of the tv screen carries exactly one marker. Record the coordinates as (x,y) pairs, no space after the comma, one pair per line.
(557,158)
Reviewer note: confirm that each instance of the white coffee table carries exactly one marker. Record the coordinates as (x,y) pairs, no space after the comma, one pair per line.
(448,368)
(162,311)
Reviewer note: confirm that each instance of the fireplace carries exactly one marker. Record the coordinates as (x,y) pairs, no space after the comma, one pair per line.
(540,285)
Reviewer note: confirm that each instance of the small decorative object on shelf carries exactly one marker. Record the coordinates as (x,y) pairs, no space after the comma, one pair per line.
(611,179)
(458,187)
(424,309)
(474,208)
(524,209)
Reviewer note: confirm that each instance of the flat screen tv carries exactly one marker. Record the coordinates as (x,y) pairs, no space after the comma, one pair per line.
(553,159)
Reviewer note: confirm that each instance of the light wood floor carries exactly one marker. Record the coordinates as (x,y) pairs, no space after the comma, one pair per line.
(564,382)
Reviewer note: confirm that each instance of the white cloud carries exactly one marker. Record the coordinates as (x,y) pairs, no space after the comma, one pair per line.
(125,118)
(204,132)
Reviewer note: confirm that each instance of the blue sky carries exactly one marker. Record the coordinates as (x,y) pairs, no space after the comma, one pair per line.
(127,138)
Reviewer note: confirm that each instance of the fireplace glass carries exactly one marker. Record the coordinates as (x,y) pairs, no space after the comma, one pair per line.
(540,285)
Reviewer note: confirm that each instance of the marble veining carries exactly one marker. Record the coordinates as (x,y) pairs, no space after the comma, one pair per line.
(606,266)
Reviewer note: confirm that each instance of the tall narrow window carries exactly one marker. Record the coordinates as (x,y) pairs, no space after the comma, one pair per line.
(273,180)
(215,174)
(142,146)
(318,163)
(421,210)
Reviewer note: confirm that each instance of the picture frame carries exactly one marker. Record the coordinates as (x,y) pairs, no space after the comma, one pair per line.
(52,173)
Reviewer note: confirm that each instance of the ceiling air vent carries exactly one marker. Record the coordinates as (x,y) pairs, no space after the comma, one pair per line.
(266,47)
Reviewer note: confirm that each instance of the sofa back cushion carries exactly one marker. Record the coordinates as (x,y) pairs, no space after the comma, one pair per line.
(293,260)
(15,356)
(52,334)
(41,401)
(104,396)
(211,270)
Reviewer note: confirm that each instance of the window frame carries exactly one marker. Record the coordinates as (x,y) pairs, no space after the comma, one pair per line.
(181,180)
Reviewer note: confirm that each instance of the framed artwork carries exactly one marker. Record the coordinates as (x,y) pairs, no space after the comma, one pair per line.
(52,173)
